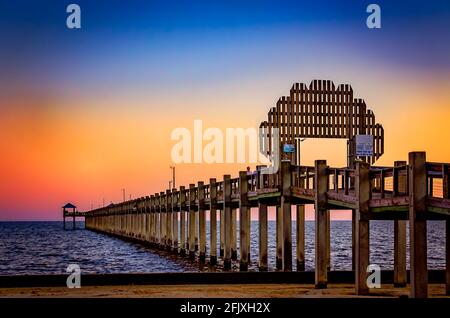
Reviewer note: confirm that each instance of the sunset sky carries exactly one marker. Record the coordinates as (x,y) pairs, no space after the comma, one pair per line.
(85,113)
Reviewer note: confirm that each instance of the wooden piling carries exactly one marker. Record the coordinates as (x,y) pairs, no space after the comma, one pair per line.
(169,219)
(362,188)
(201,222)
(400,274)
(233,234)
(222,232)
(418,225)
(244,224)
(286,180)
(321,184)
(182,221)
(300,237)
(447,256)
(175,198)
(279,238)
(191,234)
(213,221)
(262,219)
(227,221)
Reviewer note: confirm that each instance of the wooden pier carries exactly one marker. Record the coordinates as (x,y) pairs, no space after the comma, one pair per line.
(405,192)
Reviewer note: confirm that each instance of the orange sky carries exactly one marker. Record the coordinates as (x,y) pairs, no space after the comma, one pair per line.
(67,151)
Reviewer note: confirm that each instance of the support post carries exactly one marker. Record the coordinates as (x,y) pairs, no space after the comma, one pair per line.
(201,221)
(192,221)
(300,237)
(400,274)
(182,221)
(213,221)
(244,224)
(418,224)
(222,232)
(234,234)
(175,198)
(227,221)
(362,192)
(320,202)
(286,215)
(262,217)
(279,237)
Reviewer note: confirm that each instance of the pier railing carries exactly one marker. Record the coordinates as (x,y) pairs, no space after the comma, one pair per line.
(176,219)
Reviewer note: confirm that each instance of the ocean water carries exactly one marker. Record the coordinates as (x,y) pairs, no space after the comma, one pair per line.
(45,248)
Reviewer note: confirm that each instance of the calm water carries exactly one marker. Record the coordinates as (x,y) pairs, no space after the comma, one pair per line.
(44,248)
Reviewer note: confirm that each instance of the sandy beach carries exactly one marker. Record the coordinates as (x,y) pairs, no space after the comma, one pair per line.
(213,291)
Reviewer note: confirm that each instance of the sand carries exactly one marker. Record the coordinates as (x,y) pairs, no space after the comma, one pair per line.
(213,291)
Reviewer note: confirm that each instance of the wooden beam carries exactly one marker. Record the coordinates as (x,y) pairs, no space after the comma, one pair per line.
(417,224)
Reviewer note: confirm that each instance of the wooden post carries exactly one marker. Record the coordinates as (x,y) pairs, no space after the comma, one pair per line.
(279,237)
(262,217)
(244,224)
(175,220)
(286,215)
(328,240)
(233,234)
(320,202)
(447,256)
(300,237)
(353,239)
(213,221)
(182,221)
(400,274)
(446,195)
(227,221)
(192,221)
(362,192)
(222,232)
(201,222)
(417,224)
(64,219)
(162,238)
(169,219)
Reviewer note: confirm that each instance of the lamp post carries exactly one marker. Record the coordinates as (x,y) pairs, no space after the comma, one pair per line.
(173,176)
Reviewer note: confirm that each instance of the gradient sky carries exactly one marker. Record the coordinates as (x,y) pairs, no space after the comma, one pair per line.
(85,113)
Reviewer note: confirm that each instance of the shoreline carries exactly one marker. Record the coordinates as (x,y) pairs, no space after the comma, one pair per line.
(206,285)
(213,291)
